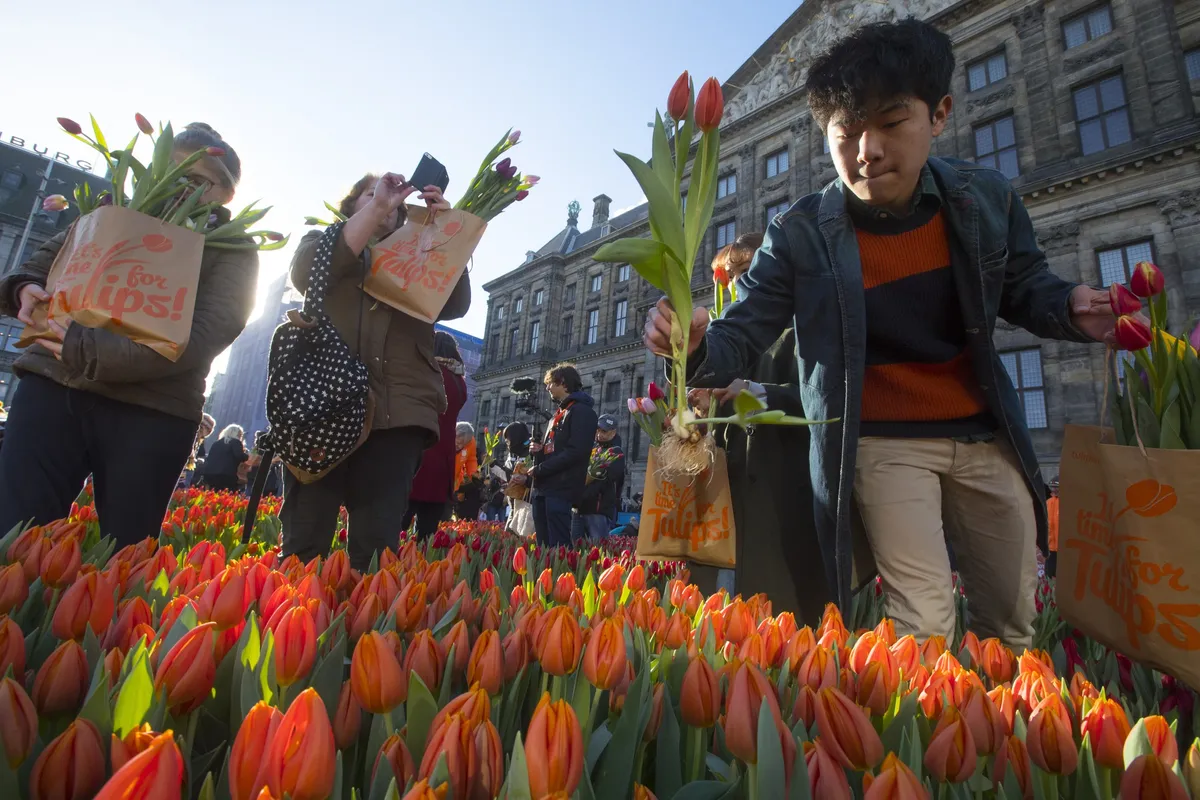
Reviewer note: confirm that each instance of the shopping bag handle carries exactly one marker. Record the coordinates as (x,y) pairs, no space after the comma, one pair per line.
(1109,371)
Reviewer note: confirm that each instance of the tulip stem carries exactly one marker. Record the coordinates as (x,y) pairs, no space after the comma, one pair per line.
(752,781)
(695,754)
(388,726)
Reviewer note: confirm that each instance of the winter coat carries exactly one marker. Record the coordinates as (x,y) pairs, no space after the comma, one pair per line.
(602,496)
(562,472)
(224,458)
(435,479)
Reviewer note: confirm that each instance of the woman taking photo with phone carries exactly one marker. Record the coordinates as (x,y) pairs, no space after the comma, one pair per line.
(373,483)
(97,403)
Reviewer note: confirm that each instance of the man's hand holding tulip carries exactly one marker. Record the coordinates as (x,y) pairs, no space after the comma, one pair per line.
(657,333)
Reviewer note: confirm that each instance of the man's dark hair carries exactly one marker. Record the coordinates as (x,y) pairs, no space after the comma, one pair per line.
(877,63)
(566,374)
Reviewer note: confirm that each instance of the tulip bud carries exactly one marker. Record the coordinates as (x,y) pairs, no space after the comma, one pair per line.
(54,202)
(895,780)
(348,720)
(143,124)
(215,152)
(72,765)
(18,723)
(826,777)
(951,753)
(12,647)
(984,720)
(878,682)
(422,791)
(633,405)
(738,621)
(453,741)
(514,137)
(710,105)
(1162,739)
(398,757)
(188,669)
(516,653)
(61,564)
(1108,727)
(656,712)
(1049,739)
(1132,333)
(604,657)
(1147,279)
(847,731)
(522,194)
(636,581)
(997,661)
(654,393)
(520,561)
(559,641)
(554,748)
(86,602)
(70,126)
(486,665)
(301,760)
(648,406)
(154,772)
(62,681)
(680,97)
(1122,301)
(532,180)
(748,690)
(14,589)
(295,645)
(1191,768)
(378,682)
(1147,777)
(457,639)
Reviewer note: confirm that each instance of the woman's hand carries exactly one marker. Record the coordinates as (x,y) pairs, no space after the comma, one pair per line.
(55,345)
(701,400)
(390,193)
(433,198)
(31,295)
(731,391)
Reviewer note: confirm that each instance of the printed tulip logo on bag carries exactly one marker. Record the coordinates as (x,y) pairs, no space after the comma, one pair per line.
(679,513)
(120,282)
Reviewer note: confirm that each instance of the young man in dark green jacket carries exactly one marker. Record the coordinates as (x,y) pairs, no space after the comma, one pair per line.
(893,276)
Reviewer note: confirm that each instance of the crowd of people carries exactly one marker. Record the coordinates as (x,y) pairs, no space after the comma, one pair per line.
(870,303)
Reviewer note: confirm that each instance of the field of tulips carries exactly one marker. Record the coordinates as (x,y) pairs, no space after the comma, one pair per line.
(478,666)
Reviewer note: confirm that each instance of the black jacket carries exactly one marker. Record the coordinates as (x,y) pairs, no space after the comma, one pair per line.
(468,499)
(562,472)
(224,458)
(603,496)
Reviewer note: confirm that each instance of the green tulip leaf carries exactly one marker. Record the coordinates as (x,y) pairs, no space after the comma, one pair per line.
(420,709)
(661,161)
(747,403)
(667,752)
(1147,423)
(447,619)
(600,740)
(97,708)
(1137,743)
(447,678)
(382,778)
(771,782)
(327,677)
(1171,437)
(664,207)
(702,790)
(186,621)
(517,784)
(134,699)
(615,778)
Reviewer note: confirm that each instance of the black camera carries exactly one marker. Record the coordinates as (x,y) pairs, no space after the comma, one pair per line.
(524,396)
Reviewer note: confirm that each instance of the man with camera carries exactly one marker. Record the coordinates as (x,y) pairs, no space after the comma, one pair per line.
(560,461)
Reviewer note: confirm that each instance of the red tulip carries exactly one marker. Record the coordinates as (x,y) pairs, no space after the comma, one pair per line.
(156,773)
(1049,740)
(520,561)
(710,105)
(62,681)
(656,394)
(1147,777)
(1133,333)
(378,682)
(1147,279)
(295,645)
(1108,727)
(302,757)
(18,723)
(70,126)
(826,777)
(847,731)
(143,124)
(188,669)
(72,765)
(1122,301)
(680,97)
(12,647)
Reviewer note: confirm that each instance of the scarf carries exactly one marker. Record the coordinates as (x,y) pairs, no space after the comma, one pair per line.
(451,364)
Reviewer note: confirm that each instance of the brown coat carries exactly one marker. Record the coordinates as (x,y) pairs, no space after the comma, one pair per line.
(397,348)
(96,360)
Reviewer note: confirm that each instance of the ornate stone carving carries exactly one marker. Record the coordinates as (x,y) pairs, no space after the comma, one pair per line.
(746,152)
(785,70)
(1182,209)
(1099,54)
(1029,19)
(800,126)
(991,99)
(1059,238)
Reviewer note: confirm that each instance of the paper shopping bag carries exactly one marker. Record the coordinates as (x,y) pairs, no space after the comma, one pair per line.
(128,273)
(415,269)
(688,518)
(1128,555)
(517,491)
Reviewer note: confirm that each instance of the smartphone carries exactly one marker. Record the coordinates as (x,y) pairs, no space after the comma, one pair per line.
(429,172)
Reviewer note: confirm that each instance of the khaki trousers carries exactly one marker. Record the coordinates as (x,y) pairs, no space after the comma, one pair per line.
(914,495)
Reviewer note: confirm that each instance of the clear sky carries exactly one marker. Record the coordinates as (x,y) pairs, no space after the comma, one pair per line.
(312,94)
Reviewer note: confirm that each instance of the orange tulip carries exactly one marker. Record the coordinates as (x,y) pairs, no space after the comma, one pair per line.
(348,720)
(18,723)
(861,650)
(410,607)
(930,651)
(363,618)
(738,621)
(459,640)
(554,748)
(1030,688)
(946,662)
(516,653)
(545,582)
(62,682)
(974,648)
(1162,739)
(335,572)
(801,643)
(130,614)
(805,707)
(987,725)
(826,778)
(951,753)
(1049,740)
(819,669)
(895,781)
(71,767)
(61,564)
(302,756)
(748,690)
(996,661)
(396,752)
(188,669)
(656,712)
(425,658)
(378,682)
(520,562)
(14,589)
(636,581)
(604,657)
(250,747)
(452,739)
(1147,777)
(1108,727)
(612,579)
(908,655)
(422,791)
(156,773)
(559,642)
(878,682)
(489,762)
(295,645)
(1038,661)
(700,695)
(847,731)
(564,587)
(474,706)
(12,647)
(679,628)
(486,665)
(1013,756)
(136,741)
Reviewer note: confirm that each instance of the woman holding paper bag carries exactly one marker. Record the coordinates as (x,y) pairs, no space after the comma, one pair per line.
(94,402)
(406,384)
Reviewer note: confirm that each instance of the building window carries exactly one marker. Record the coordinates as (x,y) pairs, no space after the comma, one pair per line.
(612,392)
(1191,60)
(520,304)
(500,312)
(726,233)
(570,298)
(496,354)
(986,71)
(597,281)
(1025,369)
(1116,264)
(535,334)
(1102,115)
(623,273)
(514,343)
(485,410)
(568,331)
(539,297)
(1083,28)
(996,146)
(621,315)
(777,163)
(9,336)
(777,209)
(593,325)
(726,185)
(503,407)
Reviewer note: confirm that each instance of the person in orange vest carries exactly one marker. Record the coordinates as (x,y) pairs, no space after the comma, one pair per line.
(1052,529)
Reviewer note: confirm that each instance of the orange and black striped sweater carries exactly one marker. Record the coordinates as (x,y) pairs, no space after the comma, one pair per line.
(919,380)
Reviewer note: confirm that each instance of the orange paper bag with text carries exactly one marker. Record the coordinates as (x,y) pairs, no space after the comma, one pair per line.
(128,273)
(1128,553)
(415,269)
(688,519)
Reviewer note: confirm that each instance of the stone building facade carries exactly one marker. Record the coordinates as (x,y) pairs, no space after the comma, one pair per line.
(1089,107)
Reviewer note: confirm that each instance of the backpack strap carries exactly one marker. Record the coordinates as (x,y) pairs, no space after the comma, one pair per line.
(256,491)
(321,276)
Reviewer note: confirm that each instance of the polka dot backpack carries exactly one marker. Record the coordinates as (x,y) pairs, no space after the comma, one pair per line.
(318,395)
